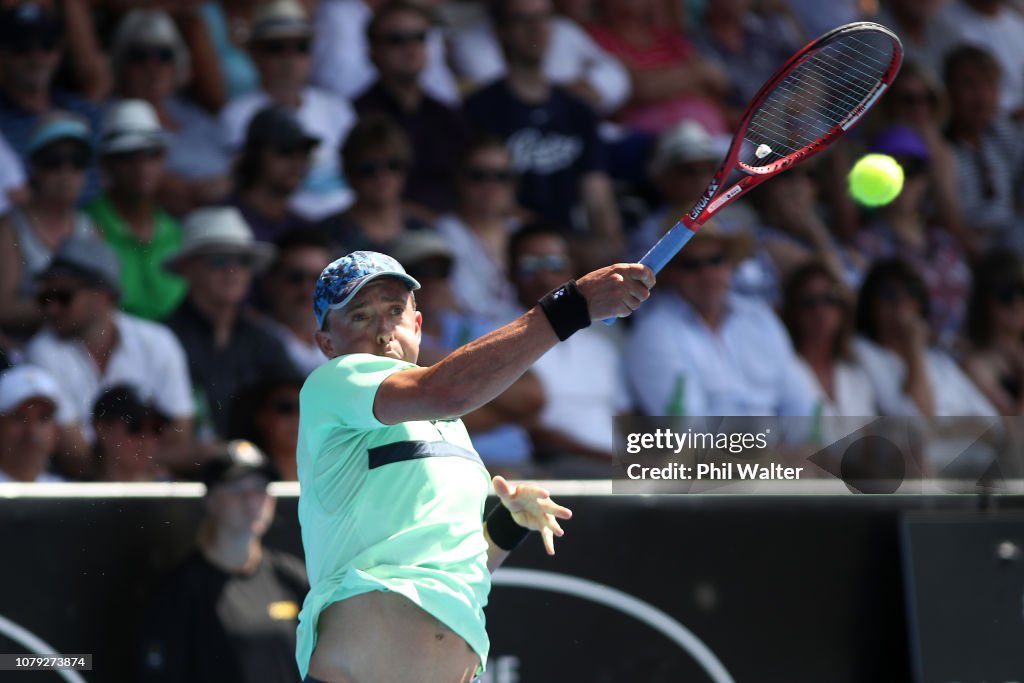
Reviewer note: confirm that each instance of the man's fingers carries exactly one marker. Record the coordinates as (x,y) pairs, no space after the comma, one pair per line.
(502,487)
(549,540)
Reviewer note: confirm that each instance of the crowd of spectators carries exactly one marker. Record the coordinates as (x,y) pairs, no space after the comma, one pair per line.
(174,176)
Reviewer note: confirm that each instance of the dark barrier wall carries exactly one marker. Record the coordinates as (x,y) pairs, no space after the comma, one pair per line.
(667,588)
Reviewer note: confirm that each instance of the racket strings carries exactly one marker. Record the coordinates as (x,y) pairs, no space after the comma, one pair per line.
(818,95)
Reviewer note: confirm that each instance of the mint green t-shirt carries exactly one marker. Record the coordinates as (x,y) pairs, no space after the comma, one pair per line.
(388,507)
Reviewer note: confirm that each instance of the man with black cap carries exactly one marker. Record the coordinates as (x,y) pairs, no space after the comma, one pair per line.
(128,431)
(393,492)
(274,161)
(229,612)
(88,344)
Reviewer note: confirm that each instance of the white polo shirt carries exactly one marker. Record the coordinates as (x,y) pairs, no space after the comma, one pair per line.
(147,356)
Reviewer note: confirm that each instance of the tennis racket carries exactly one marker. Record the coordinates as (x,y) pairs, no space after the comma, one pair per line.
(816,96)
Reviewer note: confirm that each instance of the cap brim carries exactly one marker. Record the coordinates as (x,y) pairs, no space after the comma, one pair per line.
(409,281)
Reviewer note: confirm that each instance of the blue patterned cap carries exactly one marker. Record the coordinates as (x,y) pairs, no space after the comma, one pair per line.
(343,279)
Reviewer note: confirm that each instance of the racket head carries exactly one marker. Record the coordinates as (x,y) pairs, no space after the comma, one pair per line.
(816,96)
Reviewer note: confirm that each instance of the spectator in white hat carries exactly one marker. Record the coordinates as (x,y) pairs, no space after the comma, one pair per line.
(59,152)
(280,47)
(133,147)
(228,347)
(28,426)
(87,344)
(151,62)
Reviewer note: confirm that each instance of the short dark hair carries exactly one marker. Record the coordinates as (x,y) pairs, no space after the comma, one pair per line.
(389,8)
(970,55)
(885,273)
(528,231)
(373,132)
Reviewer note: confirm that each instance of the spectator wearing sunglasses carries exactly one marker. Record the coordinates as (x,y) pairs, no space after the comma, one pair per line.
(341,55)
(128,215)
(128,431)
(228,347)
(376,157)
(902,228)
(817,310)
(302,254)
(267,414)
(280,48)
(995,330)
(397,37)
(32,42)
(59,152)
(274,161)
(478,230)
(87,344)
(583,379)
(703,350)
(151,62)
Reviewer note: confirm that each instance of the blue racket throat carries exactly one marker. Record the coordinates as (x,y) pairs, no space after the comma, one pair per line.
(662,252)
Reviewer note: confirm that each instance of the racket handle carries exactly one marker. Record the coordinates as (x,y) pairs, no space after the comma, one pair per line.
(662,252)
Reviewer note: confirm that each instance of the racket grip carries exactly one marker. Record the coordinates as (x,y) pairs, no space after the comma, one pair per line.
(662,252)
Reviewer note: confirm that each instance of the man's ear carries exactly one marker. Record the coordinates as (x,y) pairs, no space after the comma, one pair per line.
(325,342)
(419,324)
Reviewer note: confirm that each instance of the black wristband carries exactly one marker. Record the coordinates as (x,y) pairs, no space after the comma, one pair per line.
(503,530)
(566,309)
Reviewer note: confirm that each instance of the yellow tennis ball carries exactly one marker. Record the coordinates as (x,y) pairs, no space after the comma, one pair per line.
(875,180)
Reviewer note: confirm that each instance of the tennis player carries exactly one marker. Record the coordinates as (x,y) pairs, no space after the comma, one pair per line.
(398,553)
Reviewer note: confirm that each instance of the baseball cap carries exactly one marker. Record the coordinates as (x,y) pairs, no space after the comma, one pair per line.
(27,21)
(238,459)
(342,280)
(55,127)
(122,402)
(23,382)
(88,258)
(278,127)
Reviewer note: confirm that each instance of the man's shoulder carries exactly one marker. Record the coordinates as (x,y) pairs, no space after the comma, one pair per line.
(140,329)
(489,94)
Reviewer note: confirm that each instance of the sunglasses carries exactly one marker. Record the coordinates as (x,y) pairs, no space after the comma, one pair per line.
(894,293)
(61,297)
(402,38)
(54,158)
(529,266)
(368,169)
(529,17)
(143,427)
(291,151)
(695,264)
(28,44)
(143,54)
(479,174)
(915,99)
(298,46)
(812,301)
(138,154)
(1009,294)
(284,406)
(223,261)
(298,276)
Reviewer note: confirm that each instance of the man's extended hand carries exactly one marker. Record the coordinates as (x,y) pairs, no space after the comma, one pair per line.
(532,508)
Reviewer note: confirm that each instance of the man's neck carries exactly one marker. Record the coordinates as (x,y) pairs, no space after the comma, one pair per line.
(220,316)
(528,83)
(287,96)
(235,554)
(406,92)
(100,339)
(984,7)
(135,211)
